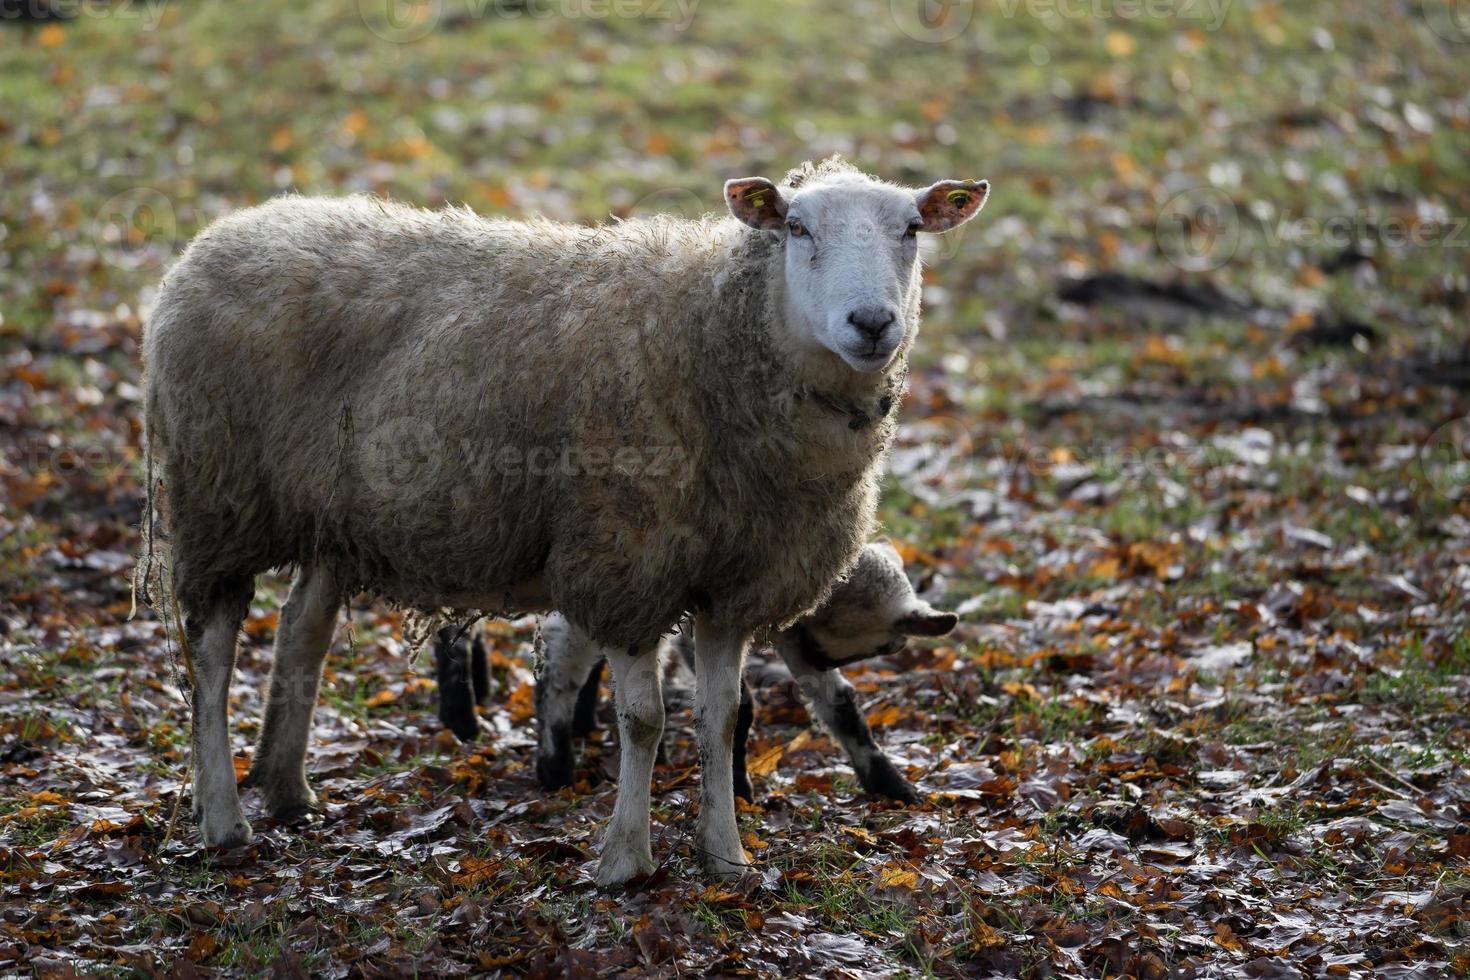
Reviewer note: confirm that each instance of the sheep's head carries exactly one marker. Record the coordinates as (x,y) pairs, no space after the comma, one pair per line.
(871,613)
(851,252)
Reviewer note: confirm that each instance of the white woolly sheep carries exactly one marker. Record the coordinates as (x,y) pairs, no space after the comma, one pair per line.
(872,612)
(665,416)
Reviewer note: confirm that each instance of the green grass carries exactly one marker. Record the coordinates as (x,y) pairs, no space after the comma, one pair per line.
(31,829)
(1420,683)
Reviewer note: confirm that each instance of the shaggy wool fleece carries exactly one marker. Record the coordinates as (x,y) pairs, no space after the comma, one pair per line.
(449,410)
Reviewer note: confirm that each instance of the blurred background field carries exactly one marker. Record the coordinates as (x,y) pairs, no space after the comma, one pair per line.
(1186,443)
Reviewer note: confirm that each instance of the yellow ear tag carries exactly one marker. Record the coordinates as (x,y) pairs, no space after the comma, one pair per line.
(757,198)
(958,198)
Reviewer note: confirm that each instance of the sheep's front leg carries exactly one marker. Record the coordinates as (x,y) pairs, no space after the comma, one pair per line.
(638,692)
(720,655)
(833,700)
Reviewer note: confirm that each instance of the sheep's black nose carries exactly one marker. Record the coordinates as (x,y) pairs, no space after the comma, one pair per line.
(872,321)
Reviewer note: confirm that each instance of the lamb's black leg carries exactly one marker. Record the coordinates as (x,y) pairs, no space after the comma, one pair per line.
(875,770)
(480,670)
(834,704)
(456,688)
(584,721)
(744,718)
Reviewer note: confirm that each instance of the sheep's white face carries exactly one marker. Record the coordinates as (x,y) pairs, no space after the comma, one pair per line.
(852,255)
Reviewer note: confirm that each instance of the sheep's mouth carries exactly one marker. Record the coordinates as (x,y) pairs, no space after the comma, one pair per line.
(867,361)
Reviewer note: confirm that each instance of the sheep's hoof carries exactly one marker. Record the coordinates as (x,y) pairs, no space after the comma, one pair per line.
(554,768)
(288,806)
(286,800)
(227,832)
(292,811)
(620,865)
(466,728)
(722,867)
(884,780)
(458,715)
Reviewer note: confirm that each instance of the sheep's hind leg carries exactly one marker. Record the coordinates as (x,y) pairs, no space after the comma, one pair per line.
(567,656)
(307,623)
(744,719)
(479,670)
(584,720)
(833,701)
(211,637)
(454,669)
(720,654)
(637,684)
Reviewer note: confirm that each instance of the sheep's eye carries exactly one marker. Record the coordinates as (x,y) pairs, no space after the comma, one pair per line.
(913,229)
(796,228)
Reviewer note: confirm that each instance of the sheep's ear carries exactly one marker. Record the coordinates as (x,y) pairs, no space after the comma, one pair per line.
(950,203)
(924,620)
(757,202)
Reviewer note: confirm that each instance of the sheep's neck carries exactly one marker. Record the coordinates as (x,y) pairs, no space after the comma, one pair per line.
(857,416)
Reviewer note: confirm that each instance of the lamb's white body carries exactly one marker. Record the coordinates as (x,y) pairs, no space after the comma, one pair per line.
(646,434)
